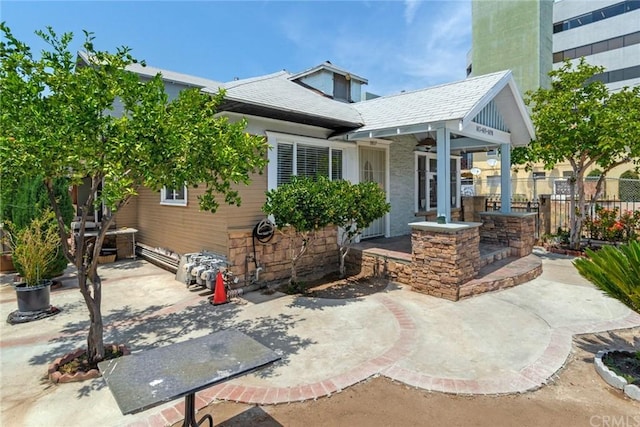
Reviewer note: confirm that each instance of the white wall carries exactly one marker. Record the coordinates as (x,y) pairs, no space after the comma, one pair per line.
(321,80)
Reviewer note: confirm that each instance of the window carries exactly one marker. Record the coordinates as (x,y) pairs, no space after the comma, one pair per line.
(596,15)
(466,162)
(309,161)
(631,39)
(602,46)
(583,51)
(598,47)
(616,43)
(427,182)
(539,175)
(341,87)
(174,197)
(558,57)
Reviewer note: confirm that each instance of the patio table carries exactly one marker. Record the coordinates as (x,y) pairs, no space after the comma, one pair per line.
(149,378)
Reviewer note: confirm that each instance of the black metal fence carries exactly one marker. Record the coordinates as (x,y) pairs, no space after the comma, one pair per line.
(603,217)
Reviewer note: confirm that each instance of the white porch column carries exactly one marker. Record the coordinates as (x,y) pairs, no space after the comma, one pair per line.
(505,178)
(443,144)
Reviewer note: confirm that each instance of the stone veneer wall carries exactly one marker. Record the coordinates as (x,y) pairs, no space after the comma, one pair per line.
(370,263)
(274,256)
(444,257)
(514,230)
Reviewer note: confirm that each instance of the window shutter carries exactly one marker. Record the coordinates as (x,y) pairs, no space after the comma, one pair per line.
(312,161)
(285,163)
(336,164)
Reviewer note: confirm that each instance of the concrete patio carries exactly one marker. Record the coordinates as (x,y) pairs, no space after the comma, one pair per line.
(509,341)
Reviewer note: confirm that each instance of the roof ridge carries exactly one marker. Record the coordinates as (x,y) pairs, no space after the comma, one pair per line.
(424,89)
(241,82)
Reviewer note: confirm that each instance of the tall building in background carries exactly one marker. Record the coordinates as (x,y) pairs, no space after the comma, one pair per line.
(532,37)
(605,32)
(515,35)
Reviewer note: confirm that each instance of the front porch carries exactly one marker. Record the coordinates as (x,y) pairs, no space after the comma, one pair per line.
(496,268)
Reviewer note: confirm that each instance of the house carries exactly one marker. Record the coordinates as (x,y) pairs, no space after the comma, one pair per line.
(316,122)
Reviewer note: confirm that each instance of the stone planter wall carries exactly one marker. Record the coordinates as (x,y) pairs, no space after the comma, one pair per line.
(445,256)
(274,257)
(370,263)
(514,230)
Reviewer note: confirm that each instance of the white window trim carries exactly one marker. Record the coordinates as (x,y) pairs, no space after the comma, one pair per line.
(173,202)
(416,182)
(275,138)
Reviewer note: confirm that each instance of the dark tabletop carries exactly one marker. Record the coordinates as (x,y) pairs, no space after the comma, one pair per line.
(146,379)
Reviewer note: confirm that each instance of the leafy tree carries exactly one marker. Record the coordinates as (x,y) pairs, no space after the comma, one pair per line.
(64,118)
(355,207)
(578,120)
(300,209)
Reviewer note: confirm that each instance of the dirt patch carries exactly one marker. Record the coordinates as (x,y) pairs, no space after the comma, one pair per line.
(334,287)
(350,287)
(575,396)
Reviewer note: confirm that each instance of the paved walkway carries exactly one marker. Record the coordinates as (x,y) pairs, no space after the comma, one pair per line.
(503,342)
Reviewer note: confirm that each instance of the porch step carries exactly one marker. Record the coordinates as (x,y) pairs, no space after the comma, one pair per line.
(491,253)
(502,274)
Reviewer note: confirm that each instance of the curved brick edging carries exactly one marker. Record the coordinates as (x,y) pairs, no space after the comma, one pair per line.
(276,395)
(57,377)
(335,384)
(529,378)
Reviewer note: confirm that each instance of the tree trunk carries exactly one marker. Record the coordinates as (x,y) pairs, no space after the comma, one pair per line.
(95,344)
(344,250)
(578,213)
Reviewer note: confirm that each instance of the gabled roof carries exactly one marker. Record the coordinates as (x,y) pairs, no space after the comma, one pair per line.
(329,66)
(172,76)
(167,75)
(459,101)
(276,94)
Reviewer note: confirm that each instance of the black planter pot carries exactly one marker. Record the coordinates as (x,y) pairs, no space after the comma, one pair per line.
(33,298)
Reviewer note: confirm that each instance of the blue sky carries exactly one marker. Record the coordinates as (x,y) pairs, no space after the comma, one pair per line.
(396,45)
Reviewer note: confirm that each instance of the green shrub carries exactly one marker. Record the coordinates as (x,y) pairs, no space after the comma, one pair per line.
(34,248)
(28,201)
(616,271)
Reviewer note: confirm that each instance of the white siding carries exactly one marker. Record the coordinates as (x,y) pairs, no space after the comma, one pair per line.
(321,80)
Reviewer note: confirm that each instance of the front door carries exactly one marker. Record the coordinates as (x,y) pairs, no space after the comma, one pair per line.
(372,168)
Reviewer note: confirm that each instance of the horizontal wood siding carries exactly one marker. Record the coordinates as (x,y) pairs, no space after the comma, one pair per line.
(127,216)
(249,213)
(180,229)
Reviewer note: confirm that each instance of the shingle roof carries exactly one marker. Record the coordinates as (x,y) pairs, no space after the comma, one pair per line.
(172,76)
(276,91)
(167,75)
(452,101)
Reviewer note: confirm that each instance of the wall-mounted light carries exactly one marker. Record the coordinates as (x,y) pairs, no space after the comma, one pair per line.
(475,171)
(492,162)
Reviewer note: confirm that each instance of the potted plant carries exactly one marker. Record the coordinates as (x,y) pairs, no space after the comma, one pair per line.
(34,250)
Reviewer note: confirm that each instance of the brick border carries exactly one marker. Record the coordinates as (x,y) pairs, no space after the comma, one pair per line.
(530,377)
(299,393)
